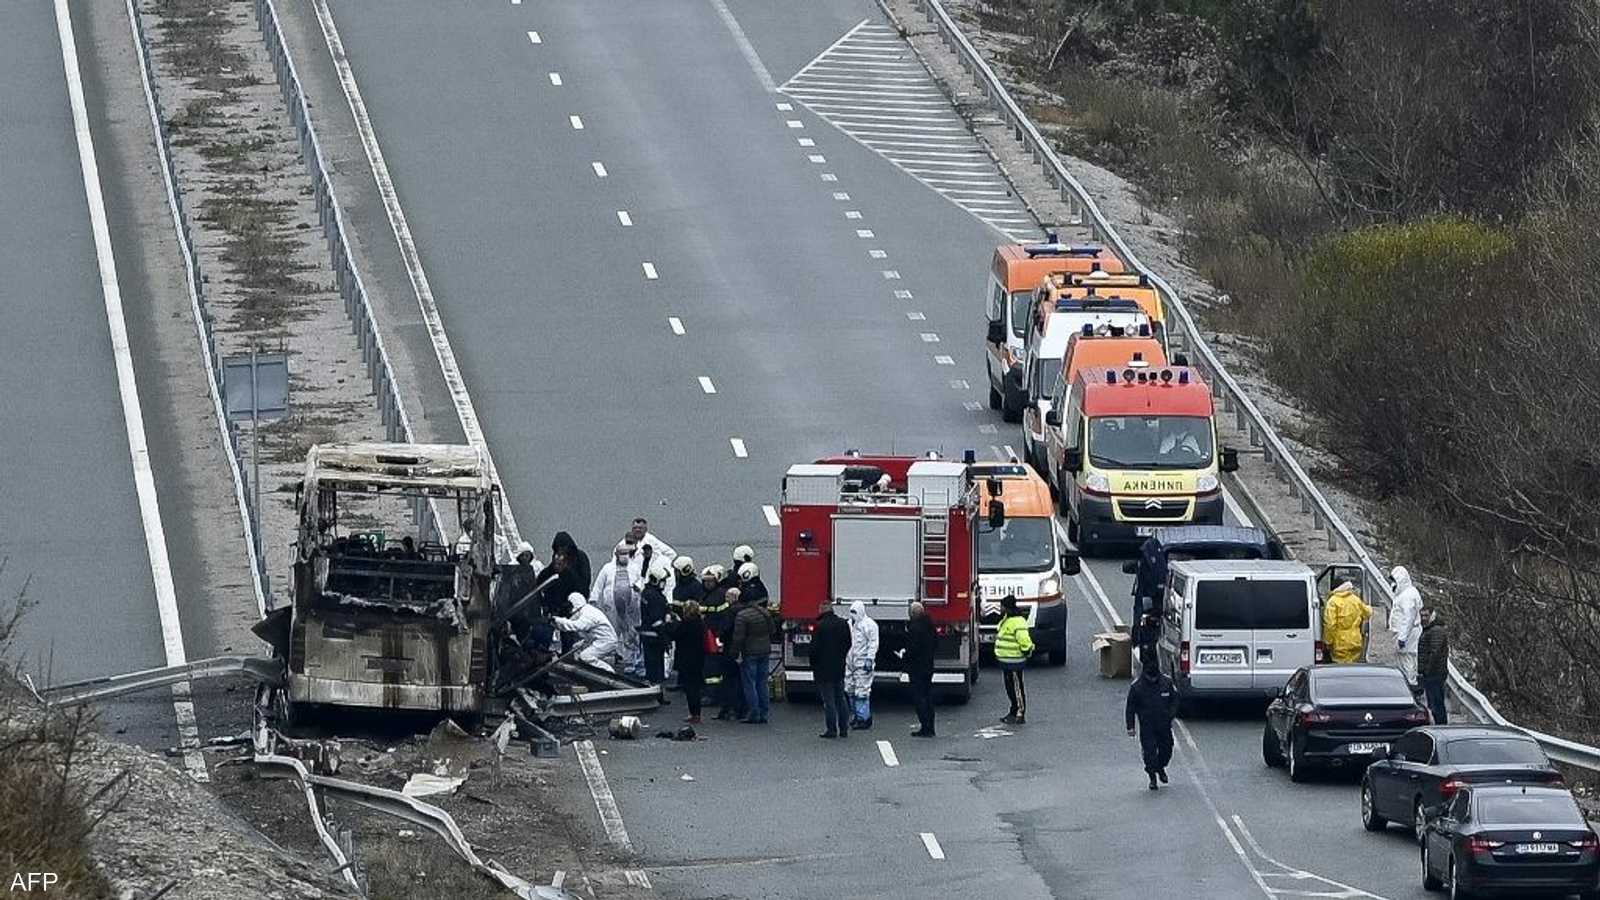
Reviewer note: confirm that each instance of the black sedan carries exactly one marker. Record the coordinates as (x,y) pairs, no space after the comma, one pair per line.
(1336,716)
(1428,765)
(1511,841)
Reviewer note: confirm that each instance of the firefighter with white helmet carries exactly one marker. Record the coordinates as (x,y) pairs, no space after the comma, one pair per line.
(653,622)
(751,587)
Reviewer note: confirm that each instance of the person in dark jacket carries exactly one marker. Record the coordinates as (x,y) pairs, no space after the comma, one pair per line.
(752,641)
(686,586)
(689,657)
(730,693)
(517,581)
(751,587)
(578,560)
(830,644)
(1433,663)
(919,667)
(1153,702)
(652,626)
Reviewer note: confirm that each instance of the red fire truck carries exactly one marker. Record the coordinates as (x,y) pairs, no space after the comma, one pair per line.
(884,530)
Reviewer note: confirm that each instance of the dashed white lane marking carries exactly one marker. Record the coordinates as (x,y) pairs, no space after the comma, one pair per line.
(988,428)
(929,337)
(604,803)
(676,324)
(852,214)
(650,271)
(746,48)
(144,479)
(902,295)
(785,107)
(891,274)
(960,384)
(916,316)
(878,254)
(771,514)
(932,844)
(577,122)
(533,38)
(739,450)
(864,233)
(886,750)
(974,406)
(795,123)
(943,360)
(816,157)
(706,385)
(840,195)
(555,78)
(805,142)
(599,169)
(870,85)
(624,218)
(829,176)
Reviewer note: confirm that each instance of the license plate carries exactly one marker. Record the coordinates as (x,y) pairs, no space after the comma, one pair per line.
(985,637)
(1221,657)
(1538,848)
(1354,749)
(802,639)
(1144,530)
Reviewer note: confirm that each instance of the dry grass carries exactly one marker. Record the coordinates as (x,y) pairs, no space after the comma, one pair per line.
(418,868)
(46,810)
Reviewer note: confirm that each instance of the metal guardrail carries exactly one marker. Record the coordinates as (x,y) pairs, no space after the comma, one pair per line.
(202,317)
(1249,417)
(266,671)
(397,424)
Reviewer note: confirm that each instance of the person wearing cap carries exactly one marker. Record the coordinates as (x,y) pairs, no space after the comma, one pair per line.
(591,626)
(653,625)
(1342,619)
(578,560)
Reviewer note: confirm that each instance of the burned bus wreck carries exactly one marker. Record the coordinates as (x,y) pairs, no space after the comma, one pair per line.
(386,622)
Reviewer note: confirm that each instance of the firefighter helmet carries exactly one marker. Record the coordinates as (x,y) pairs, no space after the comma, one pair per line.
(743,554)
(684,565)
(748,571)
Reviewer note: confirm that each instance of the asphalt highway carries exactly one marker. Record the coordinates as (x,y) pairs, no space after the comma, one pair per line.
(71,529)
(659,276)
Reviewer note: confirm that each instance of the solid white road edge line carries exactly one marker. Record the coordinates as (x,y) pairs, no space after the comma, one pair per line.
(932,845)
(886,750)
(144,479)
(745,47)
(1099,602)
(604,802)
(466,413)
(1296,873)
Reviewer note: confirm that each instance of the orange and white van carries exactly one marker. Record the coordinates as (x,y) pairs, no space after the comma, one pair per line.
(1020,555)
(1140,453)
(1014,274)
(1101,284)
(1105,348)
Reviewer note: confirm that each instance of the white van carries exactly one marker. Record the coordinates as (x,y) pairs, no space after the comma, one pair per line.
(1238,628)
(1046,354)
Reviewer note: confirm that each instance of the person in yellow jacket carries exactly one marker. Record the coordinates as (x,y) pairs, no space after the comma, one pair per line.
(1342,618)
(1012,646)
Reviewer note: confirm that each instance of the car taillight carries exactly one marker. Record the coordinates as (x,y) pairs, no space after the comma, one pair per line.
(1313,717)
(811,627)
(1418,716)
(1322,652)
(1483,845)
(1587,842)
(941,630)
(1183,657)
(1450,786)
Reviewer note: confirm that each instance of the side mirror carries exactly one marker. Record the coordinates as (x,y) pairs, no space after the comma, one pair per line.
(997,513)
(1073,459)
(1230,460)
(997,332)
(1053,418)
(1070,564)
(1130,567)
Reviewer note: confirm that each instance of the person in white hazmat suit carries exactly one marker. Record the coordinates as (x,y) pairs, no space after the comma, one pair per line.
(859,665)
(616,591)
(1405,621)
(590,625)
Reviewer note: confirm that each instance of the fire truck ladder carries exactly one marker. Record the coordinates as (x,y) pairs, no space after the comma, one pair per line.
(936,547)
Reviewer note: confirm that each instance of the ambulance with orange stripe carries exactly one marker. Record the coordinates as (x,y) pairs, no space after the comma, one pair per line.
(1140,452)
(1014,275)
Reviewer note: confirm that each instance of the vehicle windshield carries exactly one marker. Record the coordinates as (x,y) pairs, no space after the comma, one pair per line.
(1020,301)
(1529,809)
(1479,751)
(1385,686)
(1044,376)
(1022,544)
(1242,604)
(1150,442)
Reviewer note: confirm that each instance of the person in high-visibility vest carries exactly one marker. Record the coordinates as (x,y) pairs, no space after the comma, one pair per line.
(1012,647)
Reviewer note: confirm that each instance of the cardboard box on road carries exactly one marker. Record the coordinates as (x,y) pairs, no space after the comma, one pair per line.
(1115,650)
